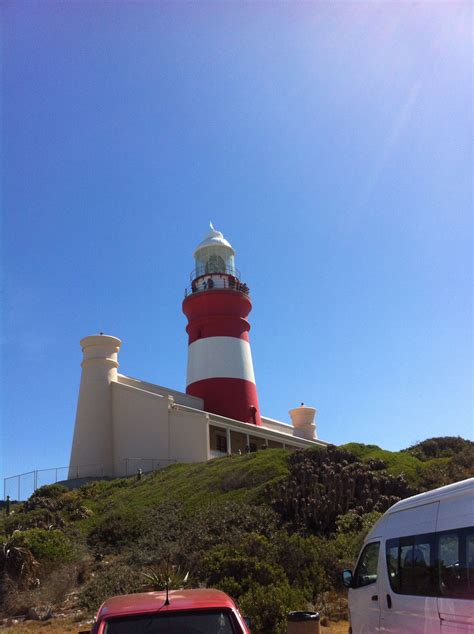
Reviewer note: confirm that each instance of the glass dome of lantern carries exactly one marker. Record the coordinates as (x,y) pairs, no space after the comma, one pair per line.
(214,255)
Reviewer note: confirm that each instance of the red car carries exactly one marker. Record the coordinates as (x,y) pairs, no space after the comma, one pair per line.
(203,611)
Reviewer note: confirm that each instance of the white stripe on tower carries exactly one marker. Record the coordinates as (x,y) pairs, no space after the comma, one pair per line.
(220,357)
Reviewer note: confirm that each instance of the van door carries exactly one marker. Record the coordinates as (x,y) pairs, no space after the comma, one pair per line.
(363,596)
(455,529)
(408,586)
(456,568)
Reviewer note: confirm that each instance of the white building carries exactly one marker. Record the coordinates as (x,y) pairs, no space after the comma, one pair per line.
(124,424)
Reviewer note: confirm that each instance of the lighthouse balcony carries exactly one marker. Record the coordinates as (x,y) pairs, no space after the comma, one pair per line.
(229,280)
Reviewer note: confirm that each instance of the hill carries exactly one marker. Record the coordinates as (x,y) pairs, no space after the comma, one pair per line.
(272,528)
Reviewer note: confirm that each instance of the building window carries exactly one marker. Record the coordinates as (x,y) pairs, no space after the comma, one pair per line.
(221,443)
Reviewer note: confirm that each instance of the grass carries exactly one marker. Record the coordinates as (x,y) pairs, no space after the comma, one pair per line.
(233,478)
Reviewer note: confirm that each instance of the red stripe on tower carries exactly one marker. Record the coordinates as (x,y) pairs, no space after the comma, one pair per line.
(220,369)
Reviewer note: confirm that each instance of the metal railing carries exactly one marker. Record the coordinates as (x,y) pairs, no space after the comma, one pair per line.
(19,487)
(216,281)
(22,485)
(133,465)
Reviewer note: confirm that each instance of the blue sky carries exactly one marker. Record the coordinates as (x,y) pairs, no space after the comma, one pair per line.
(330,142)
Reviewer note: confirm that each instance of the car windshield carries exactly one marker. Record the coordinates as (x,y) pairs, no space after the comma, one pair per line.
(197,622)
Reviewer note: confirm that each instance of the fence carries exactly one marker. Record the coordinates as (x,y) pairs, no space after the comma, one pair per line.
(133,465)
(20,487)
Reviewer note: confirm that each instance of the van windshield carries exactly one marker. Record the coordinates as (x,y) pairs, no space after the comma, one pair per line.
(189,622)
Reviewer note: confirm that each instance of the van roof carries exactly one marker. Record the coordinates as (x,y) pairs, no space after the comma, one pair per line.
(435,494)
(143,602)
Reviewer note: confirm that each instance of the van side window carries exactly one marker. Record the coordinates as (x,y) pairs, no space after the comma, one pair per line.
(366,571)
(393,564)
(456,563)
(411,565)
(470,562)
(436,564)
(449,568)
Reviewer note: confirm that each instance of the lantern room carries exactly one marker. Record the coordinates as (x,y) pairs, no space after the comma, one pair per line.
(214,255)
(215,265)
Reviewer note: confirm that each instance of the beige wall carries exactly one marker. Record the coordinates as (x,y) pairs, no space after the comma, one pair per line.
(140,426)
(189,439)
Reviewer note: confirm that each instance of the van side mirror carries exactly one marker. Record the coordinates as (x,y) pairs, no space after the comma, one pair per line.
(347,578)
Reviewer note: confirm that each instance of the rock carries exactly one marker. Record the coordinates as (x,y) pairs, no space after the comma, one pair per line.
(40,613)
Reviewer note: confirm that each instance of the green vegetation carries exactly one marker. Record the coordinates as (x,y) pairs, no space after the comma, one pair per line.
(273,529)
(51,547)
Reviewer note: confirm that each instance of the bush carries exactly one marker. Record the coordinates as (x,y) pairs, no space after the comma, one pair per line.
(325,484)
(268,607)
(50,491)
(109,581)
(440,447)
(115,531)
(38,518)
(243,571)
(161,536)
(50,547)
(302,560)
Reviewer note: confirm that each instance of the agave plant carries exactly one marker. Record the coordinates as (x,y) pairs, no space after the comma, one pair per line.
(166,577)
(18,562)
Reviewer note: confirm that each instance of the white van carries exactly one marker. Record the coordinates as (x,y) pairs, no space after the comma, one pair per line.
(415,572)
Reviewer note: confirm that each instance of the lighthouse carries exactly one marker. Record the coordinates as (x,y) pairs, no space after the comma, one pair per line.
(217,305)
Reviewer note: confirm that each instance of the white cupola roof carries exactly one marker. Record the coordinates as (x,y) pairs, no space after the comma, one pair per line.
(214,239)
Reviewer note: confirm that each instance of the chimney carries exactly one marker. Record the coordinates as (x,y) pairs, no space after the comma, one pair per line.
(303,421)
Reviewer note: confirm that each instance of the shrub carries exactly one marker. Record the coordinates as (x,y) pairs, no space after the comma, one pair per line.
(107,582)
(50,491)
(96,489)
(243,570)
(37,518)
(237,567)
(160,536)
(116,531)
(324,484)
(440,447)
(50,547)
(302,560)
(268,607)
(227,523)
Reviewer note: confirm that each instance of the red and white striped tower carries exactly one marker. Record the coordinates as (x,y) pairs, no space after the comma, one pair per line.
(220,369)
